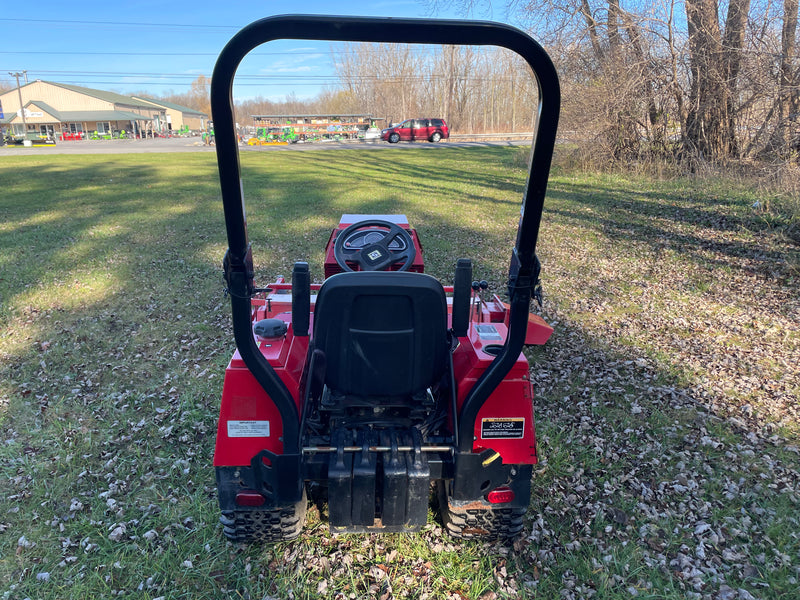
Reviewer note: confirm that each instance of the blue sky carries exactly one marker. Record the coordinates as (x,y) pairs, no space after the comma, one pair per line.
(158,46)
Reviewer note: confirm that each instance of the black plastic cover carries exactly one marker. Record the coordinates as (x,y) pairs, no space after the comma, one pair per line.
(270,328)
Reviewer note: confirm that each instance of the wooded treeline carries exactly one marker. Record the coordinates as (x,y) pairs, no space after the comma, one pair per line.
(697,79)
(474,89)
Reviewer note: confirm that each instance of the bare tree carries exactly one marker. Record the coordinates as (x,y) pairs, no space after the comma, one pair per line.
(715,60)
(636,76)
(6,85)
(200,94)
(787,101)
(384,77)
(638,79)
(454,69)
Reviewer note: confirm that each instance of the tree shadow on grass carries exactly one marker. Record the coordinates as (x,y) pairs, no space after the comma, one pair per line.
(125,380)
(118,334)
(636,472)
(708,231)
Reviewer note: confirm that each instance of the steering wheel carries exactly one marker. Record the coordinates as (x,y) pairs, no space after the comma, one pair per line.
(375,255)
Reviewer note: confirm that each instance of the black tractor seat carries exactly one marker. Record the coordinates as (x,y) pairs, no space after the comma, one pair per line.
(382,335)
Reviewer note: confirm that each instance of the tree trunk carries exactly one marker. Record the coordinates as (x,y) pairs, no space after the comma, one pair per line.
(591,26)
(732,45)
(614,42)
(657,133)
(706,119)
(788,98)
(714,64)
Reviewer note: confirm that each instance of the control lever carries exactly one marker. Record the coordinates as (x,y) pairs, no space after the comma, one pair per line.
(479,287)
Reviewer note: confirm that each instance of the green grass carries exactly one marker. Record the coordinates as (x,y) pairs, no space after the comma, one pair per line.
(114,335)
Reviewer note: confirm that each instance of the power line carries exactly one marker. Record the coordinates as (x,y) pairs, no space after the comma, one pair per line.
(120,23)
(178,75)
(265,77)
(87,53)
(332,51)
(151,82)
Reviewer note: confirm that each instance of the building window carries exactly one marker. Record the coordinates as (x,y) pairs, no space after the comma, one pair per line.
(76,127)
(103,127)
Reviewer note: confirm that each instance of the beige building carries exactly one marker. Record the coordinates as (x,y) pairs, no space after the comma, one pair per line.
(59,110)
(179,118)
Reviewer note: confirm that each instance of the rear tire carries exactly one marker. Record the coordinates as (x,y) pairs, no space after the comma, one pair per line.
(275,525)
(436,137)
(478,519)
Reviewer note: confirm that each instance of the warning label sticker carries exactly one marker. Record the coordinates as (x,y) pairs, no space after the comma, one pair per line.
(512,428)
(238,429)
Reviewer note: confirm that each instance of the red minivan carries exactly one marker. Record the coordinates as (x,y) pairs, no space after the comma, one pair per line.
(431,130)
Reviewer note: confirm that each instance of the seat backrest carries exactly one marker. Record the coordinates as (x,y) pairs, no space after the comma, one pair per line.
(382,333)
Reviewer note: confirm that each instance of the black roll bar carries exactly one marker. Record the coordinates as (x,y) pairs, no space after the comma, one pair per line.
(239,268)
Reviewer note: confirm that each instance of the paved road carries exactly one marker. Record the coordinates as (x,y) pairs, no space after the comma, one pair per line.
(196,145)
(112,147)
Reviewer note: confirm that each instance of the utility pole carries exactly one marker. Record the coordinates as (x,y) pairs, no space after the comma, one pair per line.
(19,74)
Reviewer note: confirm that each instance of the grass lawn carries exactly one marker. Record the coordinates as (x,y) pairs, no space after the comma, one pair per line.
(667,400)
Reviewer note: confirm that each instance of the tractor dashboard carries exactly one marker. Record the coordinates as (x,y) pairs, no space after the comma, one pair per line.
(364,237)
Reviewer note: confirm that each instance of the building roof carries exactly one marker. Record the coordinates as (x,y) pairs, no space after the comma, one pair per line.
(8,117)
(172,105)
(44,106)
(75,116)
(102,115)
(102,95)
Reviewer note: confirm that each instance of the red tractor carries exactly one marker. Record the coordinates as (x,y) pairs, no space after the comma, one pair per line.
(365,390)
